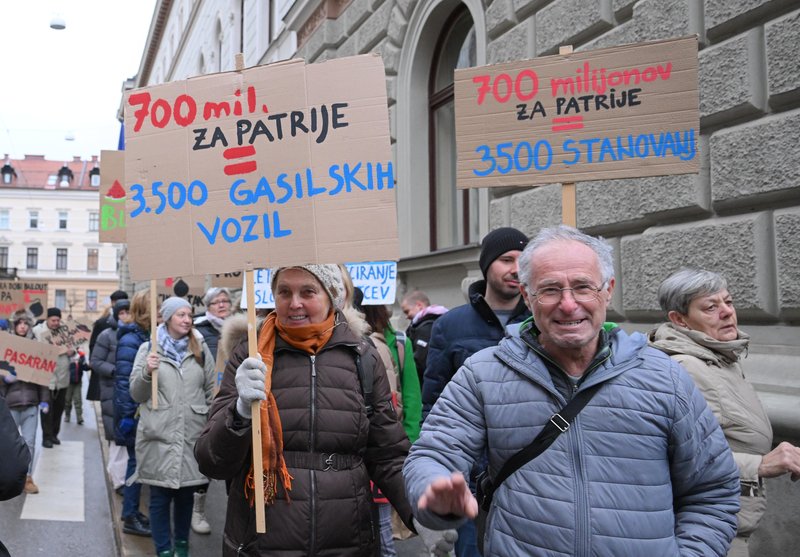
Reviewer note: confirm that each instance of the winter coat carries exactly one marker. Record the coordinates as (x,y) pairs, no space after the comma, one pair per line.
(130,337)
(714,366)
(643,470)
(16,456)
(103,359)
(166,435)
(209,332)
(457,335)
(22,394)
(409,388)
(105,322)
(322,411)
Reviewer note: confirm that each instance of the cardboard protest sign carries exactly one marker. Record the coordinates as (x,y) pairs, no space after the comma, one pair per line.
(617,112)
(227,280)
(112,196)
(22,294)
(74,334)
(28,359)
(192,289)
(278,164)
(376,279)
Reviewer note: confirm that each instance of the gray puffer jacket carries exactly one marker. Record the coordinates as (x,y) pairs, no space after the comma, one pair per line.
(714,366)
(644,469)
(166,435)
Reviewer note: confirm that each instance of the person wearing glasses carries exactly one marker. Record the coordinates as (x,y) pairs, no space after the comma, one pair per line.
(643,469)
(702,334)
(218,309)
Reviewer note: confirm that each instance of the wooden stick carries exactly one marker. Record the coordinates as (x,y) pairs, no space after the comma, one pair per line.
(568,204)
(154,342)
(255,406)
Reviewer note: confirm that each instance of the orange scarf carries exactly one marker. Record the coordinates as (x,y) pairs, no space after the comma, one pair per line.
(309,338)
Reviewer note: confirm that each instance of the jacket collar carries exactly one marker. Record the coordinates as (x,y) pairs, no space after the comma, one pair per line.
(477,293)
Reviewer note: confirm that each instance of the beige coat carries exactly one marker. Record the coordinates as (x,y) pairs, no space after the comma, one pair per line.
(714,366)
(166,436)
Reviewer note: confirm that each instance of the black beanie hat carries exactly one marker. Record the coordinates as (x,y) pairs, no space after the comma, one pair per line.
(497,242)
(118,295)
(119,305)
(53,312)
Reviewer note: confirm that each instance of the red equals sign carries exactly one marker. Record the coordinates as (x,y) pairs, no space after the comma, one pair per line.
(240,167)
(567,123)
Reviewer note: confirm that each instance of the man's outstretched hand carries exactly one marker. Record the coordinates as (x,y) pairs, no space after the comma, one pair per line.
(449,496)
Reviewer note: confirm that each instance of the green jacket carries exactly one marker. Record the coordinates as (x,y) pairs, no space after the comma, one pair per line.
(409,387)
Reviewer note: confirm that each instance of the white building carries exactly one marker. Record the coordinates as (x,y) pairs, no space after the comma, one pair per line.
(49,223)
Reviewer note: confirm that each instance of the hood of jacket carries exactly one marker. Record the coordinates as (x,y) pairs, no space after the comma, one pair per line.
(672,339)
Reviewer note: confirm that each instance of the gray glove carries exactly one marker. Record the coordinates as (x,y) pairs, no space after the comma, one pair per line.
(439,542)
(250,385)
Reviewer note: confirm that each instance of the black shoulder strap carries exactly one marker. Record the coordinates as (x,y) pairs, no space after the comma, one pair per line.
(558,424)
(365,378)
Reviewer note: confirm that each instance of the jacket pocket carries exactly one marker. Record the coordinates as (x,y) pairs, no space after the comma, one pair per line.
(196,420)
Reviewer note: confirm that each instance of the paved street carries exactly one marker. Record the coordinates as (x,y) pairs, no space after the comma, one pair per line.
(72,514)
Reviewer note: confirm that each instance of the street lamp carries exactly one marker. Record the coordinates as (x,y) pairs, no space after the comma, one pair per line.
(58,23)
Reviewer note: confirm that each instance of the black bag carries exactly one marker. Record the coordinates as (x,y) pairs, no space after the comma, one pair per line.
(558,424)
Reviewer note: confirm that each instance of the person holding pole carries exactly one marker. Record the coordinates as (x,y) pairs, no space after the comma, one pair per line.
(166,436)
(327,427)
(632,460)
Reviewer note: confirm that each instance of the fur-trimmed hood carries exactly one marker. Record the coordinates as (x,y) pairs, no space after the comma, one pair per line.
(234,329)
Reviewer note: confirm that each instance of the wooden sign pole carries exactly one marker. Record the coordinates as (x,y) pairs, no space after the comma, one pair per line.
(154,341)
(255,406)
(568,203)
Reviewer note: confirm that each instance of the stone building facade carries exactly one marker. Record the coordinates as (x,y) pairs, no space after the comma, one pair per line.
(739,216)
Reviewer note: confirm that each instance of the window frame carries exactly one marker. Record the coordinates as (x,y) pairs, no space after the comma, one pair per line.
(32,259)
(62,259)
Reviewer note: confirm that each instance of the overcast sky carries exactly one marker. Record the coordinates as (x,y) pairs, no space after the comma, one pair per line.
(56,83)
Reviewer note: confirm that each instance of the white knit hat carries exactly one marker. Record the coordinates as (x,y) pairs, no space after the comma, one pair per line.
(328,275)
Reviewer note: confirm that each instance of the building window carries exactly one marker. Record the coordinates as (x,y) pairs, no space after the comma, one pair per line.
(32,261)
(453,213)
(91,300)
(62,220)
(3,257)
(94,222)
(92,256)
(61,299)
(33,219)
(5,219)
(94,176)
(61,259)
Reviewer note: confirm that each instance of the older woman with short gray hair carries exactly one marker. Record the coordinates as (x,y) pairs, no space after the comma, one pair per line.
(702,334)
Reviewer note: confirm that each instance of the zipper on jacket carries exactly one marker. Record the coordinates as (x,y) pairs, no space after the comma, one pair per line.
(582,533)
(312,438)
(312,540)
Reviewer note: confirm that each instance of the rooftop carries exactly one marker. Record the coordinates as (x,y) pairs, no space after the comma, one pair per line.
(36,172)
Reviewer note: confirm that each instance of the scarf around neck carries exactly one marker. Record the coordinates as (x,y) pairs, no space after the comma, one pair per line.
(173,349)
(310,339)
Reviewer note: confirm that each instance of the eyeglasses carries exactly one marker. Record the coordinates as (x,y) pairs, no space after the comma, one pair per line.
(582,293)
(220,302)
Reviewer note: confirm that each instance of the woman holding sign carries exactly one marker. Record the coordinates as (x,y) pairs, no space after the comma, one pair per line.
(327,428)
(166,435)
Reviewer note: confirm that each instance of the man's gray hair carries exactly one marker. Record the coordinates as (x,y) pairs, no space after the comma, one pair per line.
(561,233)
(681,287)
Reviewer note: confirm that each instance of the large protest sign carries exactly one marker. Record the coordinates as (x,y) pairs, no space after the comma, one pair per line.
(618,112)
(22,294)
(376,279)
(112,196)
(280,164)
(191,289)
(30,360)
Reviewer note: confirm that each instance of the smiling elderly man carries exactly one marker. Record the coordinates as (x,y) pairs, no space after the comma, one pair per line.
(643,469)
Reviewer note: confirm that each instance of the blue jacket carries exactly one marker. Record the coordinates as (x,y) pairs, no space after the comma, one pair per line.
(643,470)
(129,337)
(457,335)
